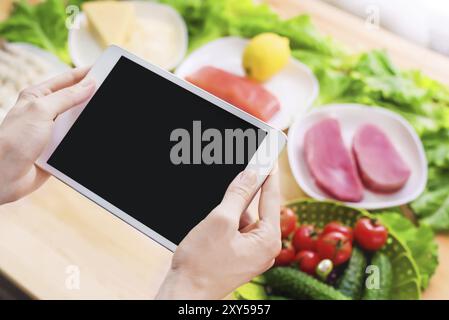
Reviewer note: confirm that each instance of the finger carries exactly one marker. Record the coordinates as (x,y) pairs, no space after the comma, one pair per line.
(239,194)
(59,82)
(270,200)
(246,219)
(66,79)
(64,99)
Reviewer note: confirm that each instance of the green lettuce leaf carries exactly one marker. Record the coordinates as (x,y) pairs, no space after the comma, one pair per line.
(432,207)
(42,25)
(419,239)
(208,20)
(437,148)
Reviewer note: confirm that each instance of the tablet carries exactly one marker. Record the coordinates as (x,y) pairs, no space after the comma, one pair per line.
(154,150)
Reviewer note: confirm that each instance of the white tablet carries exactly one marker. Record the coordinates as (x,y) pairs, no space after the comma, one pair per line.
(154,150)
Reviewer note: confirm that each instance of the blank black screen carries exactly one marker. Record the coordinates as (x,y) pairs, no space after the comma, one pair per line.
(119,148)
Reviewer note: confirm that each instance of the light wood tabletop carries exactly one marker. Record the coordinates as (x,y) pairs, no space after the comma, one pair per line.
(48,236)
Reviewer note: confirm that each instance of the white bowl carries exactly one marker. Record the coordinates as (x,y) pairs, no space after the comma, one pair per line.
(295,86)
(351,117)
(84,48)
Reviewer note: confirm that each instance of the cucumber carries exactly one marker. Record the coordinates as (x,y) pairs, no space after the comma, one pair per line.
(295,284)
(277,298)
(383,292)
(352,280)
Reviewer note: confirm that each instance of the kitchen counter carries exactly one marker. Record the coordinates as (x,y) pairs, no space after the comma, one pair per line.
(47,237)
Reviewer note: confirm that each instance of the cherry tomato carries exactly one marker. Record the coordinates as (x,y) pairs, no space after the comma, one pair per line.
(285,257)
(334,246)
(305,238)
(338,227)
(307,261)
(370,234)
(288,222)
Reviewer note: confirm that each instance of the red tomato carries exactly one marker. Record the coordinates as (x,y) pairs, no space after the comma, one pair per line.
(370,234)
(285,257)
(334,246)
(288,222)
(307,261)
(305,238)
(338,227)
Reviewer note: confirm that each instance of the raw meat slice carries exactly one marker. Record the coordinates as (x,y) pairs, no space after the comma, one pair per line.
(380,165)
(330,163)
(241,92)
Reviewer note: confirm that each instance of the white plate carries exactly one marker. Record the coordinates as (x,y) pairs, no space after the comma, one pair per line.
(55,67)
(351,117)
(295,86)
(84,48)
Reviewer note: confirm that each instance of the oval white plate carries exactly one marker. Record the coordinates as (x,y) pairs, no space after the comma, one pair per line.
(55,64)
(351,117)
(295,86)
(84,48)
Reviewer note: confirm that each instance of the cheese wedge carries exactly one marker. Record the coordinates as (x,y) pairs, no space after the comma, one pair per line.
(110,21)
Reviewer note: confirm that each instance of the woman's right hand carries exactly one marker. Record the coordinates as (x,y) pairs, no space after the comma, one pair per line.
(227,249)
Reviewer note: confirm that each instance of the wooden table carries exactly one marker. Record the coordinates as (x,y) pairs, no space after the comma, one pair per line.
(44,236)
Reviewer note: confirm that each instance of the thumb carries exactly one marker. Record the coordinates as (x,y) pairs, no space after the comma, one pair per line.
(239,194)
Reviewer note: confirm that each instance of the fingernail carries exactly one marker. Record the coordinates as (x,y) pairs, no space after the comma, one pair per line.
(248,177)
(87,82)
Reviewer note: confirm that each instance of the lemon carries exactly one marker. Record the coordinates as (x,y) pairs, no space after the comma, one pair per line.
(265,55)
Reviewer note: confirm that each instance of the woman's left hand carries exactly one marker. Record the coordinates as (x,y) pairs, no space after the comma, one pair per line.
(27,128)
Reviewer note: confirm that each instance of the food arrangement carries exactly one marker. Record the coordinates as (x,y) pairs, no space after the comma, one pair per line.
(325,165)
(323,253)
(150,30)
(329,252)
(291,86)
(374,161)
(246,54)
(262,58)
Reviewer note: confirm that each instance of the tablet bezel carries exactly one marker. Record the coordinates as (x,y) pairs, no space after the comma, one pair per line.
(99,73)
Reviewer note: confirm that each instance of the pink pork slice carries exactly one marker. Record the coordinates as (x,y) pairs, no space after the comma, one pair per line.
(380,165)
(330,163)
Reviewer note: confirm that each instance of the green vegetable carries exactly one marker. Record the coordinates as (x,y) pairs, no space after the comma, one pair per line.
(352,280)
(208,20)
(277,298)
(379,284)
(419,240)
(295,284)
(77,2)
(250,291)
(42,25)
(433,205)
